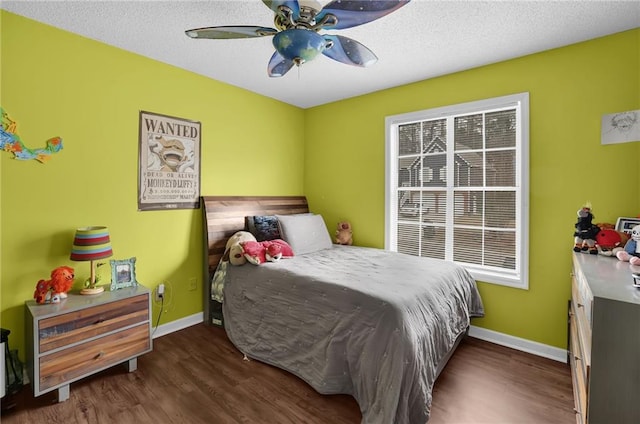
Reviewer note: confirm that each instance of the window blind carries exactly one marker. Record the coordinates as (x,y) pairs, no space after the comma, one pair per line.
(457,185)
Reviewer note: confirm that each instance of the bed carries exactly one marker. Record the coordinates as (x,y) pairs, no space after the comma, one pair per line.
(374,324)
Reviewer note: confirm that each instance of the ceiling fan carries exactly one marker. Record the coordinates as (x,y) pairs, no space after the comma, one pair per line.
(296,37)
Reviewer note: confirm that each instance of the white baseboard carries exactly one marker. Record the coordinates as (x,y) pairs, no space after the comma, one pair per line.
(179,324)
(518,343)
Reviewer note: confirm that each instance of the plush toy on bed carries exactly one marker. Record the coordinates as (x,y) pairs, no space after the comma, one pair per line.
(344,234)
(586,231)
(233,249)
(259,252)
(631,252)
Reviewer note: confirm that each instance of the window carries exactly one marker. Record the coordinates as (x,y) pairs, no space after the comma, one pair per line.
(457,186)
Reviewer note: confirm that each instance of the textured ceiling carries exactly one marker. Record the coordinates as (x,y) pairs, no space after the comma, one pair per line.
(422,40)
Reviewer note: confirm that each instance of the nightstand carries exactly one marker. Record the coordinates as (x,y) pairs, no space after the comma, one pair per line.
(83,335)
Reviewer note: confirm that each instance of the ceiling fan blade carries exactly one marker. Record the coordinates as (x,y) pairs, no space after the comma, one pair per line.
(278,65)
(226,32)
(358,12)
(349,51)
(291,4)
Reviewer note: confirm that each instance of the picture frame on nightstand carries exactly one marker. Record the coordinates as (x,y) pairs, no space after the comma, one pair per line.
(123,273)
(625,224)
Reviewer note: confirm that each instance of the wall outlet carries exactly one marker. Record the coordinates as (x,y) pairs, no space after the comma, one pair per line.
(160,292)
(193,283)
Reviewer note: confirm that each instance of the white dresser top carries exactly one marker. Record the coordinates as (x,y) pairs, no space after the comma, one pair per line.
(607,277)
(75,301)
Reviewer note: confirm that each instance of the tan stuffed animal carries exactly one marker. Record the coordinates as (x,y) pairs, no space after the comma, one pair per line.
(234,247)
(344,234)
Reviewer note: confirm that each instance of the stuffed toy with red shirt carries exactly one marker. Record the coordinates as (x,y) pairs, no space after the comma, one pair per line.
(260,252)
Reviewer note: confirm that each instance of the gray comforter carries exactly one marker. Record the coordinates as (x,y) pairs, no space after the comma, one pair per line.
(361,321)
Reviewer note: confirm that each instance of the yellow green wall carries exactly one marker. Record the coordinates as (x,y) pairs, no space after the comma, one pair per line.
(90,94)
(570,89)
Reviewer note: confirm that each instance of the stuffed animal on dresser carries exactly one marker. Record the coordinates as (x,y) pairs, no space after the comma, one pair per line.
(55,289)
(609,241)
(631,252)
(585,233)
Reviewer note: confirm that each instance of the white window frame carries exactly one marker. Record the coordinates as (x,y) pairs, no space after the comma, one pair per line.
(518,278)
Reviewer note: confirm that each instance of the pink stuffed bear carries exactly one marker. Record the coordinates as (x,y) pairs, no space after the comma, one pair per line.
(631,252)
(259,252)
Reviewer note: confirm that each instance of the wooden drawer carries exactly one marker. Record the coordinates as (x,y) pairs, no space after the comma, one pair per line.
(582,295)
(580,369)
(580,306)
(73,327)
(86,358)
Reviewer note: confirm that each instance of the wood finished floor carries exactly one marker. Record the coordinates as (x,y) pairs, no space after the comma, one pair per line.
(197,376)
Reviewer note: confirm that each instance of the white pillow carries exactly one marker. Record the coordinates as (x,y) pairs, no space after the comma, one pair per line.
(305,233)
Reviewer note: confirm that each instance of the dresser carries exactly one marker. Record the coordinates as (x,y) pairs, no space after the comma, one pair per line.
(85,334)
(604,340)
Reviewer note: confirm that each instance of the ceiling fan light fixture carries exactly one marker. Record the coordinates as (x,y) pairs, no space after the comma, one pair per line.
(299,45)
(296,38)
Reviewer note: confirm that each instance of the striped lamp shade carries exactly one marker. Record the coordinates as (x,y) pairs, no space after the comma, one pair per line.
(91,243)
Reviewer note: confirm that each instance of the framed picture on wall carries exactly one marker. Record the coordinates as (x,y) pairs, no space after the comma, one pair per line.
(169,163)
(626,224)
(621,127)
(123,273)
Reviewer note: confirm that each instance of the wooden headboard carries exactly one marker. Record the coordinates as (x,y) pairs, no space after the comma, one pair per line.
(223,216)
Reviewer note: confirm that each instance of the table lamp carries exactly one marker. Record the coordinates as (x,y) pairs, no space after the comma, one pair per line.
(90,244)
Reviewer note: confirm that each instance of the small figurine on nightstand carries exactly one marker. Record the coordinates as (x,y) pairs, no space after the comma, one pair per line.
(55,289)
(91,284)
(586,230)
(631,252)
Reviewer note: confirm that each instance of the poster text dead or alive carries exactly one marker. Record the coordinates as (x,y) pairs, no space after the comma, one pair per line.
(169,166)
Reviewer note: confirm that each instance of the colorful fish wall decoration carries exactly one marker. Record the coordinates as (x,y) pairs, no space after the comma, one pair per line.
(10,142)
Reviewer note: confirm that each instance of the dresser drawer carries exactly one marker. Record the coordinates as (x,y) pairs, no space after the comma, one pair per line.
(580,307)
(580,370)
(582,295)
(86,358)
(73,327)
